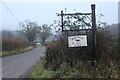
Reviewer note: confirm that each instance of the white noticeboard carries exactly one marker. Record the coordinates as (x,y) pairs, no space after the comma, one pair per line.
(77,41)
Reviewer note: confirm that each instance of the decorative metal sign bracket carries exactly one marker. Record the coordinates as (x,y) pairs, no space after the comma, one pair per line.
(62,21)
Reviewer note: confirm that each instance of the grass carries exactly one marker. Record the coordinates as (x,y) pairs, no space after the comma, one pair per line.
(18,51)
(82,70)
(106,68)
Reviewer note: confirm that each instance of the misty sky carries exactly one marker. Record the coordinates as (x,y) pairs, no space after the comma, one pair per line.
(45,12)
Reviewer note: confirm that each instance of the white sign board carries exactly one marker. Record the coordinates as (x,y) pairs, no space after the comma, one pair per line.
(77,41)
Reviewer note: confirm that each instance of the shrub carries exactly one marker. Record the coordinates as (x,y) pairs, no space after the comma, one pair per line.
(58,53)
(13,43)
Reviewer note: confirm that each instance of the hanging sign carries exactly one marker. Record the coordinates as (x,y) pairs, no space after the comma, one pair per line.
(77,41)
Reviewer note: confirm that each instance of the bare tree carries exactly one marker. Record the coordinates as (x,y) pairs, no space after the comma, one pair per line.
(29,29)
(45,32)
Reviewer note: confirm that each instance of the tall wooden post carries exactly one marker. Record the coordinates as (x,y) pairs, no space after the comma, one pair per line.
(62,20)
(94,32)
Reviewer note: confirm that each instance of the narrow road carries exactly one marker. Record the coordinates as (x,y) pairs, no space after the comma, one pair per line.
(18,66)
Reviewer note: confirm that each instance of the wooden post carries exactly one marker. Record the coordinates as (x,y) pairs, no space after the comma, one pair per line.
(62,20)
(94,33)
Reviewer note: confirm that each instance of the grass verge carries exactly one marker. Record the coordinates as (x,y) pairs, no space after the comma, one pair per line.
(18,51)
(82,70)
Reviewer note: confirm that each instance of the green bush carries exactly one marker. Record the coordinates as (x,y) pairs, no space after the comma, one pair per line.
(58,53)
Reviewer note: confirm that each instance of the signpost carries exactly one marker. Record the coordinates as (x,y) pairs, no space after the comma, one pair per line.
(81,40)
